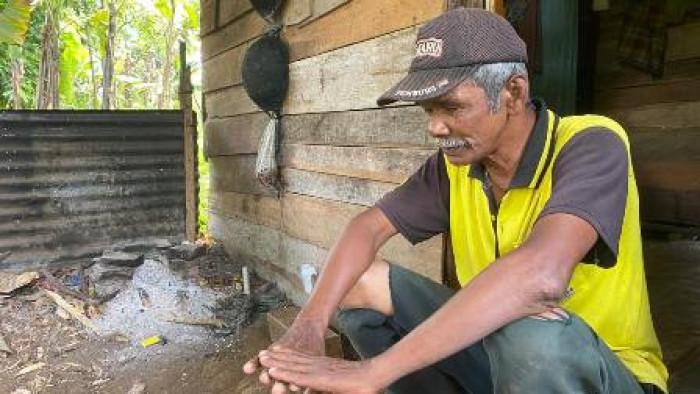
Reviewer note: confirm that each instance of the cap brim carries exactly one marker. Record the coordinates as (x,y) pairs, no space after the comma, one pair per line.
(420,85)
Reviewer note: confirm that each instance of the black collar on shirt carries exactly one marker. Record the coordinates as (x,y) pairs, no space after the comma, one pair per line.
(532,155)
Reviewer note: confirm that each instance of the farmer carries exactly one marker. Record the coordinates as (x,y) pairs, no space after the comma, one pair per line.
(543,217)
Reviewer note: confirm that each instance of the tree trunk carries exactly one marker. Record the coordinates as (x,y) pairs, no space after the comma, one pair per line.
(164,100)
(47,85)
(92,74)
(17,70)
(127,86)
(54,96)
(108,64)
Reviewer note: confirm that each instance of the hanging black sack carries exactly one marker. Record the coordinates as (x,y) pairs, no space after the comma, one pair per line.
(265,79)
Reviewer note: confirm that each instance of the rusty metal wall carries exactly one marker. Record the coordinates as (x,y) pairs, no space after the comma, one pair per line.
(74,182)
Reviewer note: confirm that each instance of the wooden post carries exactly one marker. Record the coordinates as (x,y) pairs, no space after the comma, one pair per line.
(190,136)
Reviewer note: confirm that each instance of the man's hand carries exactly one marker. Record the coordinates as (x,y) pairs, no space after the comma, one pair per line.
(306,336)
(322,374)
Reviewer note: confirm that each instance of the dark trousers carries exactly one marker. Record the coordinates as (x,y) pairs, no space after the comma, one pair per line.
(526,356)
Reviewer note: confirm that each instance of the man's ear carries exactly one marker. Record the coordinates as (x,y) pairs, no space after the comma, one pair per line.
(517,91)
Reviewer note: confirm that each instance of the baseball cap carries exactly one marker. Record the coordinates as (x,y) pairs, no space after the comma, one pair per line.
(447,47)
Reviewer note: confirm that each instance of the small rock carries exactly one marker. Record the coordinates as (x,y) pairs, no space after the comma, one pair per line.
(101,272)
(121,259)
(142,245)
(186,251)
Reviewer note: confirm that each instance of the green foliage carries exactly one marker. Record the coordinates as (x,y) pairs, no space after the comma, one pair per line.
(28,54)
(74,59)
(163,6)
(14,21)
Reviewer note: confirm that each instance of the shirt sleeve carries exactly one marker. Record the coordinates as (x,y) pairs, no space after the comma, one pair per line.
(419,208)
(590,181)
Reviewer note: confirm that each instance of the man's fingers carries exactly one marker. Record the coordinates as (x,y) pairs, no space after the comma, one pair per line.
(264,378)
(272,358)
(294,388)
(299,379)
(251,366)
(279,388)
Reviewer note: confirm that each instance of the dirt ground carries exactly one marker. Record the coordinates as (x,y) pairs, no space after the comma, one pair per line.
(197,304)
(69,360)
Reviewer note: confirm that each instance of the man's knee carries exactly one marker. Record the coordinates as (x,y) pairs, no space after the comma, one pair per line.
(371,291)
(541,345)
(354,322)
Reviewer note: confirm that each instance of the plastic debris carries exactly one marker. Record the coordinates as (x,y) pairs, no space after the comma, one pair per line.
(154,340)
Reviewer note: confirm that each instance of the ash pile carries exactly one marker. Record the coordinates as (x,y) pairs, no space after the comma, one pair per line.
(153,292)
(176,294)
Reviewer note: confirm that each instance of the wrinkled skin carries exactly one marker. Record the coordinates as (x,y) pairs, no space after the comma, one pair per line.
(304,337)
(320,373)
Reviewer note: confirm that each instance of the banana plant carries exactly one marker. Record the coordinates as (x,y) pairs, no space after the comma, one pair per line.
(14,20)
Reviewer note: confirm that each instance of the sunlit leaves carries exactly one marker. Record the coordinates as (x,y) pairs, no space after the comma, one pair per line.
(139,55)
(14,20)
(74,59)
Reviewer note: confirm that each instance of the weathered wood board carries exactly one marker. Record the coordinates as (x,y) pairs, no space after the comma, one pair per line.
(224,70)
(635,96)
(380,164)
(332,187)
(207,17)
(235,135)
(280,255)
(235,174)
(370,18)
(223,62)
(662,116)
(321,222)
(349,78)
(263,210)
(232,9)
(245,28)
(229,102)
(674,72)
(667,167)
(390,128)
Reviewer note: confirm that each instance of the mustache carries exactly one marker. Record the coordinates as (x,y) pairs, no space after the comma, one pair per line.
(451,143)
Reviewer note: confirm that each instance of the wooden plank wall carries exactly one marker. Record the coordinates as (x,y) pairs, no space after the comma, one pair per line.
(662,116)
(340,153)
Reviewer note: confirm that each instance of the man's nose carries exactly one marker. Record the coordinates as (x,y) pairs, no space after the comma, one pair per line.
(437,127)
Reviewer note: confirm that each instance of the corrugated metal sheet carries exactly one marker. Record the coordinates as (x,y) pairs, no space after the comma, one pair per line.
(74,182)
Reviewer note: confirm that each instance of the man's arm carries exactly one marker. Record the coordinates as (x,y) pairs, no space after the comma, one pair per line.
(528,281)
(352,254)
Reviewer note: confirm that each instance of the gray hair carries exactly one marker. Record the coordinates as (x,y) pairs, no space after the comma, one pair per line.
(492,77)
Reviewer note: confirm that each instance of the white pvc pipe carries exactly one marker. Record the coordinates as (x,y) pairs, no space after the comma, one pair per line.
(246,281)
